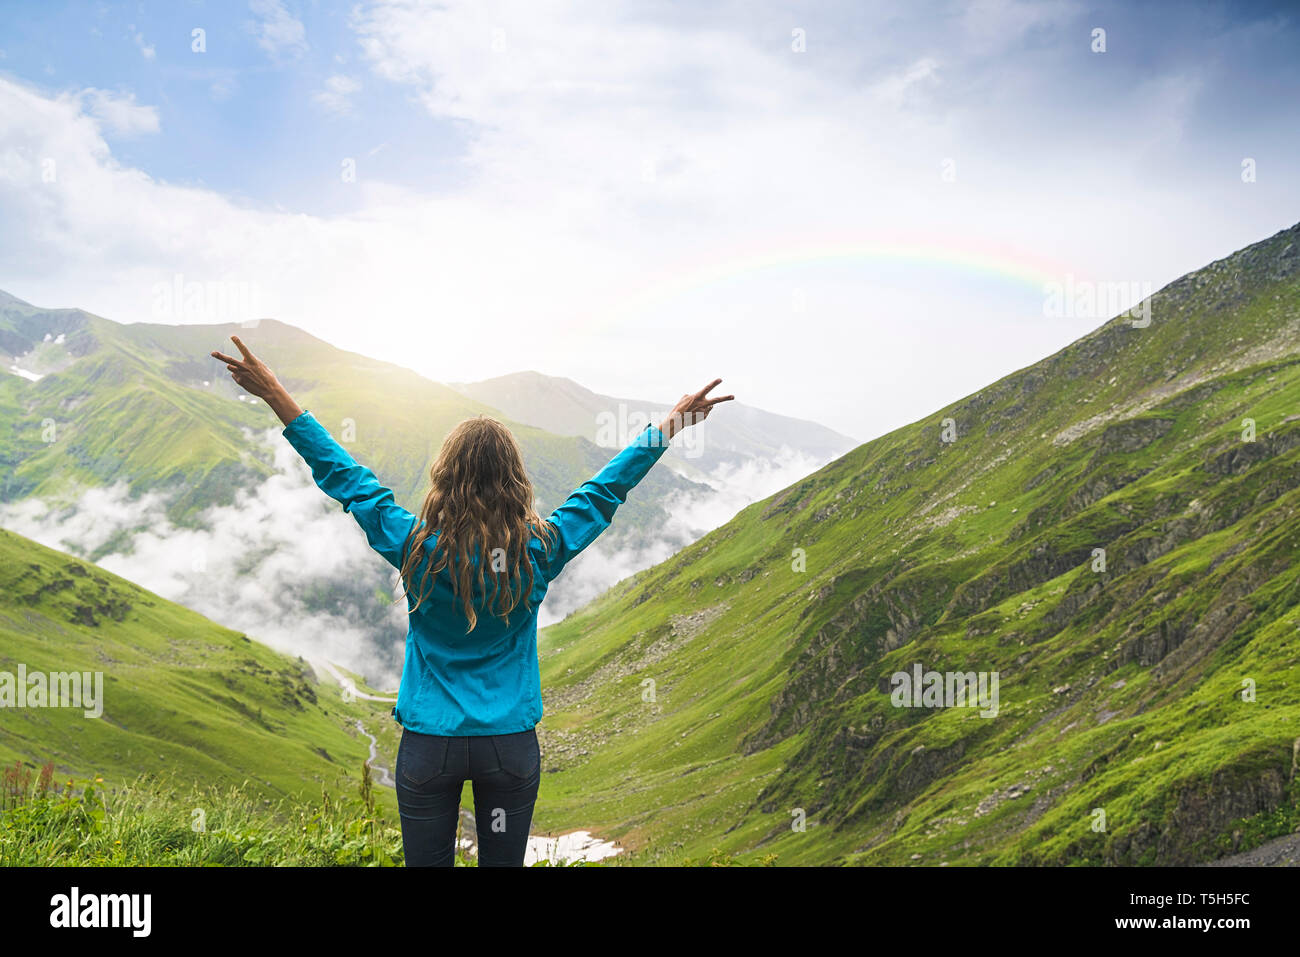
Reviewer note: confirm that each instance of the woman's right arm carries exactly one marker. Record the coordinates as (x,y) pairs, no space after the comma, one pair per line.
(590,509)
(386,524)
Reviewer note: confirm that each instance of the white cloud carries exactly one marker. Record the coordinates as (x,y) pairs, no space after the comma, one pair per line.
(896,89)
(993,27)
(337,95)
(691,514)
(630,181)
(146,49)
(253,566)
(223,88)
(119,112)
(278,32)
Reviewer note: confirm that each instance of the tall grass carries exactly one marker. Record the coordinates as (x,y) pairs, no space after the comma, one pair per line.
(154,822)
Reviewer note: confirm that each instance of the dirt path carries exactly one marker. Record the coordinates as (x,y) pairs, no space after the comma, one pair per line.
(385,776)
(1279,852)
(348,684)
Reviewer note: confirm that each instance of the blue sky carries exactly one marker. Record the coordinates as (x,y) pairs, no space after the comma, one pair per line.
(241,117)
(642,195)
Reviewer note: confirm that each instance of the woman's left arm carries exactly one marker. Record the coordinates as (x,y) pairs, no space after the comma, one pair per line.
(387,525)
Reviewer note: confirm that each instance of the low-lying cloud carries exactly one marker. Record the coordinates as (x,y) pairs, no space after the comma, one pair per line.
(690,516)
(285,565)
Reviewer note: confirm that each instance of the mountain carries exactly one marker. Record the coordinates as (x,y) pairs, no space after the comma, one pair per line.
(129,445)
(564,407)
(1111,532)
(181,695)
(97,401)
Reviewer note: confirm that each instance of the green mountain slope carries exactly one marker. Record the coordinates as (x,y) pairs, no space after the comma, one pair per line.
(142,409)
(1123,687)
(182,696)
(145,403)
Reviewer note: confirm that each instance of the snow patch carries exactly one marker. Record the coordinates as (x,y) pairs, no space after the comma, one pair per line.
(567,848)
(29,376)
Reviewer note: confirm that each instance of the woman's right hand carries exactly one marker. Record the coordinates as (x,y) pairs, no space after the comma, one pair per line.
(691,409)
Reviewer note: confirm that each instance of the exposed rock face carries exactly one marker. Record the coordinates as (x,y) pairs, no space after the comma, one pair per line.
(1158,521)
(1197,816)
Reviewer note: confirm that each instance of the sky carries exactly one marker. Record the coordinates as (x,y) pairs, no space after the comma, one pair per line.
(853,213)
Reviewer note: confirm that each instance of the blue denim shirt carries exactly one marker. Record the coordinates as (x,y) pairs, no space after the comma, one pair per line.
(486,681)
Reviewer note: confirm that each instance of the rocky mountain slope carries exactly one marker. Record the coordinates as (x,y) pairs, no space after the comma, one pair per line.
(1112,531)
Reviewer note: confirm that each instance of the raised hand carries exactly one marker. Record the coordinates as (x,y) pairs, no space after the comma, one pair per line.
(690,409)
(256,378)
(251,374)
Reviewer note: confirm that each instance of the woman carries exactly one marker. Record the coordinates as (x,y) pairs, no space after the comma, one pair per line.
(470,695)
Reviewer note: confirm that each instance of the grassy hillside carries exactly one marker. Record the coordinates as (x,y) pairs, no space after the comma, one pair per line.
(183,697)
(145,405)
(194,717)
(1121,685)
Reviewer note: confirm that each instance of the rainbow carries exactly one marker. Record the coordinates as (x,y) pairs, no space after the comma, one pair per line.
(979,259)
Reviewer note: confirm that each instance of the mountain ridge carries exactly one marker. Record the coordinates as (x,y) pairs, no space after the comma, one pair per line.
(141,420)
(565,407)
(978,555)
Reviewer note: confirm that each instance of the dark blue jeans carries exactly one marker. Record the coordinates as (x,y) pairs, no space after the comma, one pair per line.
(505,769)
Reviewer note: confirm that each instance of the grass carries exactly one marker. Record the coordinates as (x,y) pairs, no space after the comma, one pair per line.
(181,694)
(725,707)
(153,822)
(1117,686)
(134,405)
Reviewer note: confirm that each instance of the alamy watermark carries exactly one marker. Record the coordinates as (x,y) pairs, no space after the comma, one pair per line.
(76,909)
(54,689)
(945,689)
(1084,299)
(214,300)
(615,430)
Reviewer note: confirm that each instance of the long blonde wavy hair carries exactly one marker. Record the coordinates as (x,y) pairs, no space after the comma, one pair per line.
(480,502)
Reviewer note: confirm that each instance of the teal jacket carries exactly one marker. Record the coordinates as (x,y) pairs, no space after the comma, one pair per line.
(486,681)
